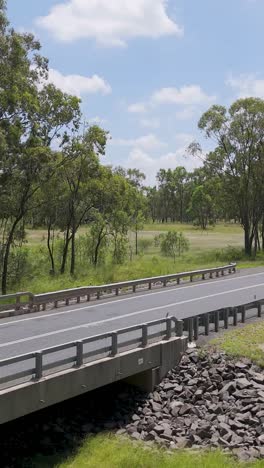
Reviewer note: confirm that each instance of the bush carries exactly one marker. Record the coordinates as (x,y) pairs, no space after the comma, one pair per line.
(144,245)
(174,244)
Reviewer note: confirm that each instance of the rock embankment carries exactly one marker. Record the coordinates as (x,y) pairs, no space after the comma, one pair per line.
(208,401)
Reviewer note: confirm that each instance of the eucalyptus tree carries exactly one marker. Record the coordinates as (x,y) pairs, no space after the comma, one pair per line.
(32,115)
(80,173)
(238,158)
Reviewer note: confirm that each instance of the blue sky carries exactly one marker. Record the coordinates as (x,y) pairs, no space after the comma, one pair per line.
(147,69)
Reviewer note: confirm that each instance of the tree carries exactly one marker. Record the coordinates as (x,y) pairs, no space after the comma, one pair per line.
(201,207)
(238,158)
(26,160)
(80,173)
(173,244)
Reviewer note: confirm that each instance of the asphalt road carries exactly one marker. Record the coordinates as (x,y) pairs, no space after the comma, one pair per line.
(24,334)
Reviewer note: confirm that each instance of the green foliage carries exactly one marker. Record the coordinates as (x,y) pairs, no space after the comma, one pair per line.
(246,342)
(173,244)
(144,245)
(238,160)
(109,451)
(201,207)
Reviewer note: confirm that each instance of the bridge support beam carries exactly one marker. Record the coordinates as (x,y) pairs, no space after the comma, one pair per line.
(144,367)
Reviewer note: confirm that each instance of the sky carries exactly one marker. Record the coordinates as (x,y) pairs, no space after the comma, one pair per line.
(146,70)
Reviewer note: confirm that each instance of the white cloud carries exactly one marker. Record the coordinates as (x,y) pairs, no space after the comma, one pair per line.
(246,85)
(110,22)
(186,113)
(96,120)
(183,139)
(77,84)
(187,95)
(150,122)
(187,98)
(150,165)
(147,142)
(137,108)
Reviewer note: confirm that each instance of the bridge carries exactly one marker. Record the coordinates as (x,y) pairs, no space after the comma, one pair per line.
(69,342)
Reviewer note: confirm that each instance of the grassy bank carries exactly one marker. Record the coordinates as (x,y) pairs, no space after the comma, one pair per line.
(217,246)
(106,451)
(247,342)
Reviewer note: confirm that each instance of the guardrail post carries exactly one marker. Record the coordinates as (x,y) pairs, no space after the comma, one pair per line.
(243,313)
(168,329)
(203,276)
(223,272)
(235,316)
(114,350)
(190,329)
(216,321)
(226,318)
(17,306)
(67,302)
(98,295)
(150,285)
(79,353)
(217,274)
(259,309)
(31,301)
(178,280)
(164,283)
(78,300)
(44,306)
(144,335)
(191,278)
(134,288)
(211,275)
(39,365)
(206,324)
(179,328)
(88,298)
(196,328)
(117,291)
(230,270)
(56,304)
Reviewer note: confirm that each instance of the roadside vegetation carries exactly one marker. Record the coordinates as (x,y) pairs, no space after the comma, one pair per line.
(107,451)
(218,246)
(245,342)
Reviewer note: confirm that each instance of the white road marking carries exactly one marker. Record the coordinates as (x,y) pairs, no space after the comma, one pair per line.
(137,296)
(93,324)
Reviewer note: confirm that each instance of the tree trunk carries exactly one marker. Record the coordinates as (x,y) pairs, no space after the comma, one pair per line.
(50,249)
(247,240)
(6,255)
(136,241)
(65,252)
(72,270)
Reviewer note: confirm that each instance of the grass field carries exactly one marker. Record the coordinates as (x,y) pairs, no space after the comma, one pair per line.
(219,236)
(216,246)
(108,451)
(246,342)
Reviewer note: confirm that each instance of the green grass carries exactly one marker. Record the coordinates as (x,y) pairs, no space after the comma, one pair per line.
(245,342)
(217,246)
(108,451)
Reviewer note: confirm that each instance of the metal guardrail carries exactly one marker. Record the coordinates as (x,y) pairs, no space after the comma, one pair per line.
(211,321)
(36,367)
(40,301)
(76,354)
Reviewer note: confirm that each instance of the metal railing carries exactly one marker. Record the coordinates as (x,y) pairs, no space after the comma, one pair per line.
(40,301)
(209,322)
(77,353)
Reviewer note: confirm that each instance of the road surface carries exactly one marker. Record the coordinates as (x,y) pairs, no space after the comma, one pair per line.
(25,334)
